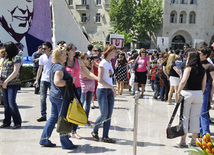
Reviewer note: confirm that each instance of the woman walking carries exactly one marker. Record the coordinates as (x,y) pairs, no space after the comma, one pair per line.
(105,95)
(142,71)
(121,67)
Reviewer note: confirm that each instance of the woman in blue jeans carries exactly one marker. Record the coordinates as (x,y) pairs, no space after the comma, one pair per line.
(105,95)
(10,84)
(58,78)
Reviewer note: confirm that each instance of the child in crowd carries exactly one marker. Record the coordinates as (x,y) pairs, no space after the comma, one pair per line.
(153,73)
(157,83)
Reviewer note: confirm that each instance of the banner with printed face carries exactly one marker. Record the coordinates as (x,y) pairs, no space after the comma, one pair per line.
(117,40)
(27,22)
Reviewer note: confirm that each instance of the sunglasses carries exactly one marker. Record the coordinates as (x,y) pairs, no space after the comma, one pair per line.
(87,58)
(44,49)
(96,50)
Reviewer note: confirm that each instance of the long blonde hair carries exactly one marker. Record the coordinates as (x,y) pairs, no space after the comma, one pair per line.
(170,61)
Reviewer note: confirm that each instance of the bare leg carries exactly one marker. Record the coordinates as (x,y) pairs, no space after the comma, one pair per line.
(121,87)
(136,86)
(170,94)
(183,140)
(176,95)
(118,87)
(142,89)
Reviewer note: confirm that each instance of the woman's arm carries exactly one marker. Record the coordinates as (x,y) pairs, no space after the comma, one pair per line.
(177,71)
(203,87)
(164,71)
(58,79)
(100,80)
(86,72)
(184,79)
(148,67)
(116,64)
(12,75)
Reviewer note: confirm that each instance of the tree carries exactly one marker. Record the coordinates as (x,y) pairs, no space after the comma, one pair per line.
(121,14)
(148,18)
(140,18)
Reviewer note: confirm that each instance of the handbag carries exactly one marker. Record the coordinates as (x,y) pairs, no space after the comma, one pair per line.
(76,114)
(176,131)
(63,126)
(135,64)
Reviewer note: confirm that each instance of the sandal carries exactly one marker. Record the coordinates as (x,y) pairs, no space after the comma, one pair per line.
(95,136)
(108,140)
(181,144)
(75,135)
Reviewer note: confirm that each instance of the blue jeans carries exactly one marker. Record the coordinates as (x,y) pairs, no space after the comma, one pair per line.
(44,85)
(153,84)
(157,91)
(49,126)
(105,99)
(88,97)
(10,106)
(204,118)
(74,129)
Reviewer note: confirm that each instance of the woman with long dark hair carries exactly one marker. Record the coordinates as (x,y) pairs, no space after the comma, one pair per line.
(192,86)
(121,67)
(10,85)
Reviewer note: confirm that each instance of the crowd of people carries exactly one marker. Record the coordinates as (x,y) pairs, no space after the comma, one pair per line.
(188,72)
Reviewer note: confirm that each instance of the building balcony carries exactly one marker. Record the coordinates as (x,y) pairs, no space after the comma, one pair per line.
(82,7)
(107,7)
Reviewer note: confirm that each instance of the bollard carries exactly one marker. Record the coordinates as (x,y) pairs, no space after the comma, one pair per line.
(137,94)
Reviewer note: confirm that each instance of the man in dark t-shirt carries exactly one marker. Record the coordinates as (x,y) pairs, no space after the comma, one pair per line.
(208,93)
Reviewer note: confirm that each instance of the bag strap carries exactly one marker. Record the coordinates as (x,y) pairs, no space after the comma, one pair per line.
(76,94)
(180,100)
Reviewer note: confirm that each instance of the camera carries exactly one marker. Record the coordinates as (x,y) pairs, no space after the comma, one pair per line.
(92,57)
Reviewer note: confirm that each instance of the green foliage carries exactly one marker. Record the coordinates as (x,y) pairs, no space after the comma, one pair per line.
(27,75)
(140,18)
(98,44)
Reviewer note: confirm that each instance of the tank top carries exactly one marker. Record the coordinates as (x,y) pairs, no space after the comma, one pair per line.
(195,79)
(75,73)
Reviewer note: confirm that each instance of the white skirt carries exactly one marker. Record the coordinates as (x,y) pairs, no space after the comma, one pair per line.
(174,81)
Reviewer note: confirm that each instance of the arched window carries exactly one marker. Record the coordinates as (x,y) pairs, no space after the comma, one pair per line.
(182,17)
(193,2)
(173,17)
(192,17)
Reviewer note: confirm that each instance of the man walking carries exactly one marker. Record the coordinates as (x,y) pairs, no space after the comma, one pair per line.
(35,59)
(45,64)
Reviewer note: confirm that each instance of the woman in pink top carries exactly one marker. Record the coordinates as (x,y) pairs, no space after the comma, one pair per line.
(74,66)
(142,70)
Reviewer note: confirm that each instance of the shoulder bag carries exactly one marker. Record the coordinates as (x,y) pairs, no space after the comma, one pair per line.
(176,131)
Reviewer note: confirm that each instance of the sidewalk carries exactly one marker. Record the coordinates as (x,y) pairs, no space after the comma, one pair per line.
(153,119)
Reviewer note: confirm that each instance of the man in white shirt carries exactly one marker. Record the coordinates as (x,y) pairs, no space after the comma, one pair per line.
(45,63)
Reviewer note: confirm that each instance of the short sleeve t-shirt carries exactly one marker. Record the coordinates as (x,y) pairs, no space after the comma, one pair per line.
(58,92)
(46,62)
(142,63)
(7,69)
(108,73)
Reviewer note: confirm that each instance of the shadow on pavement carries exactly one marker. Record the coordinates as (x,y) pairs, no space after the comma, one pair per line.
(88,149)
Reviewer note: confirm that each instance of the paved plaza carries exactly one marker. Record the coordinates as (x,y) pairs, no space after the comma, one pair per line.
(153,118)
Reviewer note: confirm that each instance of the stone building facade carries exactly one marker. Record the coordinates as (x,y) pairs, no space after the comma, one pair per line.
(188,21)
(92,16)
(184,21)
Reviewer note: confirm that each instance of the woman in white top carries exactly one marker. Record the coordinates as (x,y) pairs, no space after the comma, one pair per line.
(105,94)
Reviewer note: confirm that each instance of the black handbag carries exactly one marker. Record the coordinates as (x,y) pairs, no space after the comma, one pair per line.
(135,64)
(176,131)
